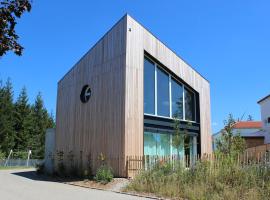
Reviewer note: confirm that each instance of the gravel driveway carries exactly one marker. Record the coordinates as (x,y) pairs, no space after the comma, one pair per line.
(25,185)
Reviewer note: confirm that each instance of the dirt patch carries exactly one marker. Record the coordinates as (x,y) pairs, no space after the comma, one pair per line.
(117,184)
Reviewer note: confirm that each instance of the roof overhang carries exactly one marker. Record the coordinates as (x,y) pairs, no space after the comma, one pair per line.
(263,99)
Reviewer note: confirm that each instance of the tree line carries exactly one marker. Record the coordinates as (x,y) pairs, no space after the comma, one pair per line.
(22,125)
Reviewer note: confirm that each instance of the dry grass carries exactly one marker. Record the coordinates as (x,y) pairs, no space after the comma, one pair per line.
(226,179)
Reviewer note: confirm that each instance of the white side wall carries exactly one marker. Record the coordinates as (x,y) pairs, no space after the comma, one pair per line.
(49,150)
(265,114)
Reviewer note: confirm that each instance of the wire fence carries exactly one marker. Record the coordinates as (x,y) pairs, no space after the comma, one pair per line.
(20,162)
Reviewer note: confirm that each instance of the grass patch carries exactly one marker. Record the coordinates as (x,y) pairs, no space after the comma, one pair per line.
(226,179)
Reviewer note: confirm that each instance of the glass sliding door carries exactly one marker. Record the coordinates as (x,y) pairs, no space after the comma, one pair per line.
(157,144)
(177,146)
(150,144)
(161,144)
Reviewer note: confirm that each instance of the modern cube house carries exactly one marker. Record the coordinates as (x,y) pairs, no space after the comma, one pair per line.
(120,100)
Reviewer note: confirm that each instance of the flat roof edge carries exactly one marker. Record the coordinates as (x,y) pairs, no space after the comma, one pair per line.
(168,47)
(106,33)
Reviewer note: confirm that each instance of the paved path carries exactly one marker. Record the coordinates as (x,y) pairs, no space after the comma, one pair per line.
(24,185)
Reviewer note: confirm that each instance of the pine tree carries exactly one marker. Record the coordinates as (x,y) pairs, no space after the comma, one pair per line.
(23,126)
(51,121)
(41,121)
(7,132)
(23,121)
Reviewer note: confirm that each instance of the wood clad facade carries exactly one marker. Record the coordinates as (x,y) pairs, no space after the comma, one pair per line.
(88,129)
(139,41)
(111,122)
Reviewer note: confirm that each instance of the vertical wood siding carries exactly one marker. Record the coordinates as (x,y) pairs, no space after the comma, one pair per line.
(139,40)
(95,127)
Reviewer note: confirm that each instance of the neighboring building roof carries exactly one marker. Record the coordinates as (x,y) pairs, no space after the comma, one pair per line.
(268,96)
(248,125)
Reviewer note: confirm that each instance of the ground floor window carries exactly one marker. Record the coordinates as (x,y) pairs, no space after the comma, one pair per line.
(160,143)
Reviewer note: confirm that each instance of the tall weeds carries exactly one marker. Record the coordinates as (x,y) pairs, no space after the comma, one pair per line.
(225,178)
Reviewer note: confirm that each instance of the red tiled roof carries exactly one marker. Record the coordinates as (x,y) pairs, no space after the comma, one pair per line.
(248,124)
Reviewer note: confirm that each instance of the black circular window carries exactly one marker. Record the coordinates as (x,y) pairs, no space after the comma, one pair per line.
(85,93)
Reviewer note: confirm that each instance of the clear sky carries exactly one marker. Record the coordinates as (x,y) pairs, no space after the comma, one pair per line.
(228,42)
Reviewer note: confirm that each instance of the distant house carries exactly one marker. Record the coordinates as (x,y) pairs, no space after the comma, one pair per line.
(265,117)
(249,130)
(255,133)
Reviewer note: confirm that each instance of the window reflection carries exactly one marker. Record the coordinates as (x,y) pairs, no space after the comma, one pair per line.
(149,87)
(163,104)
(159,81)
(189,105)
(177,99)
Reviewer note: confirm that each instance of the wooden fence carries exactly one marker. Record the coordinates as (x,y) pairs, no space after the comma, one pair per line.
(259,150)
(130,166)
(136,164)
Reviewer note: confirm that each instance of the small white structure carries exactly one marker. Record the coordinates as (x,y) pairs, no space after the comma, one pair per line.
(265,116)
(49,150)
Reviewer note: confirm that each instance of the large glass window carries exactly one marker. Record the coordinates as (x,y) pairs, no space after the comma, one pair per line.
(157,144)
(177,99)
(189,105)
(163,94)
(150,144)
(163,100)
(177,146)
(149,87)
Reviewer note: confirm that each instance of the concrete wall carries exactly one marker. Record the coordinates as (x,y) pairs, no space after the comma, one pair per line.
(265,113)
(49,150)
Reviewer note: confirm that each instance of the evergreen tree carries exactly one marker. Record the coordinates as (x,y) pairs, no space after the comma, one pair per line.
(22,126)
(7,132)
(23,121)
(37,137)
(41,121)
(51,121)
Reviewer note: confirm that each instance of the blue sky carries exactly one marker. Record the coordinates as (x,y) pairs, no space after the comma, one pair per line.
(226,41)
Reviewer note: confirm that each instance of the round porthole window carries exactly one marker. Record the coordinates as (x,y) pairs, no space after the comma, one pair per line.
(85,93)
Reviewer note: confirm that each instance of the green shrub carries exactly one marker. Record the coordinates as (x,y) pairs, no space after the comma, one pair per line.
(20,155)
(40,168)
(104,174)
(2,155)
